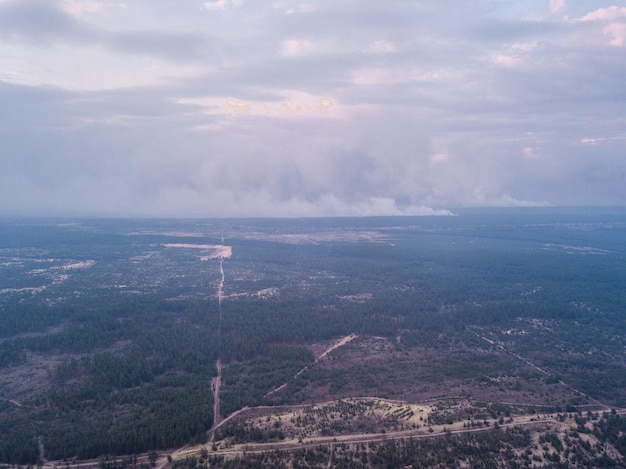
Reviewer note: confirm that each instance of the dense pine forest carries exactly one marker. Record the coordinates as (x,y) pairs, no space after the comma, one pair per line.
(111,330)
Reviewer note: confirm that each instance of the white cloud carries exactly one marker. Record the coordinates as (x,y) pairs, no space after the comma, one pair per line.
(296,47)
(614,18)
(439,158)
(81,8)
(293,104)
(77,7)
(382,47)
(531,153)
(590,141)
(375,76)
(215,5)
(220,4)
(557,5)
(597,140)
(617,34)
(604,14)
(516,55)
(288,7)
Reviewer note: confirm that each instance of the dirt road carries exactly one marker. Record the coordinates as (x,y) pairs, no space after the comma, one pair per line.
(339,343)
(368,438)
(215,385)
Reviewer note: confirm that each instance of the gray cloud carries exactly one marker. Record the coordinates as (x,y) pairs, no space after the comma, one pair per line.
(38,20)
(170,46)
(46,20)
(285,108)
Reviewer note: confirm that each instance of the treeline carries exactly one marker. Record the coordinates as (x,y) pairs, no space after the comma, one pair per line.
(171,411)
(18,444)
(248,383)
(240,433)
(138,379)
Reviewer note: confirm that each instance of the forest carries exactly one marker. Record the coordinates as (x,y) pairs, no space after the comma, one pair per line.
(110,330)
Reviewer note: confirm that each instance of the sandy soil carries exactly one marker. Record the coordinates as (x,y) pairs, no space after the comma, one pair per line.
(218,251)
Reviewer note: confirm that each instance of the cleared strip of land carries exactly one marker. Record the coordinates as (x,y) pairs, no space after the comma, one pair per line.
(339,343)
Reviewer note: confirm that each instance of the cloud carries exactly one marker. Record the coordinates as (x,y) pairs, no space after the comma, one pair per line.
(531,152)
(617,33)
(505,201)
(382,47)
(38,20)
(611,13)
(557,5)
(76,7)
(170,46)
(293,109)
(597,140)
(296,47)
(439,158)
(220,4)
(215,5)
(81,8)
(614,20)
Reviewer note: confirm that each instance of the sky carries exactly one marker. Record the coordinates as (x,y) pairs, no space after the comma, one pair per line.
(284,108)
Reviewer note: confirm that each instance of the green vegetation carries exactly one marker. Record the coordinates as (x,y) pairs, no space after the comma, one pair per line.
(109,338)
